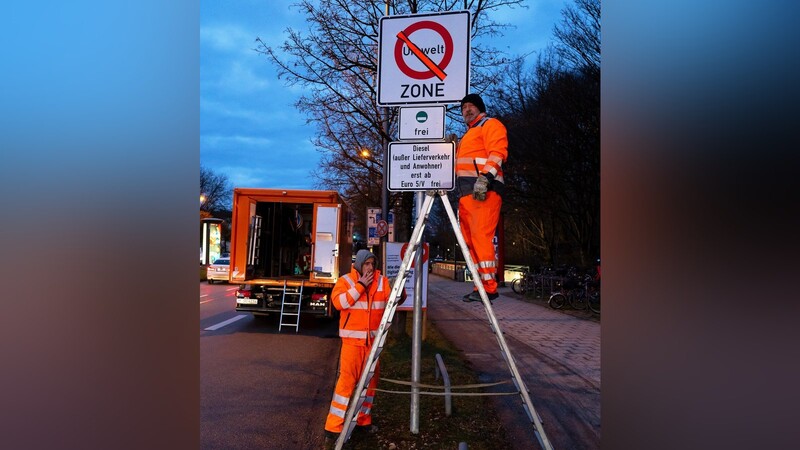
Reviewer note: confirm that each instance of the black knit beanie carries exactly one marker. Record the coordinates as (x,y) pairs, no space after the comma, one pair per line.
(476,100)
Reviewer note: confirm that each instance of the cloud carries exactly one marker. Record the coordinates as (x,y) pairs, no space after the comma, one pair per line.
(235,140)
(241,78)
(268,176)
(231,110)
(226,38)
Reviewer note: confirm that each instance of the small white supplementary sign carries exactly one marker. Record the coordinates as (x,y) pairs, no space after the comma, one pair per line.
(421,166)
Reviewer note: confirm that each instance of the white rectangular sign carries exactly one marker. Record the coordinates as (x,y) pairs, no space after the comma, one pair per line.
(421,166)
(421,122)
(373,216)
(395,251)
(423,58)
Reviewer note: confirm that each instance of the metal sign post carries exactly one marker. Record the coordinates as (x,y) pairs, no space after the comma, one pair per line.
(416,333)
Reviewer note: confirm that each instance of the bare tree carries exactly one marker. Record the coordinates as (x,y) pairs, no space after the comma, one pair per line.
(336,63)
(552,113)
(578,36)
(216,193)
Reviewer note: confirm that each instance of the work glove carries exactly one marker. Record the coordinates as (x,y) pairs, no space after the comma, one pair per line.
(480,188)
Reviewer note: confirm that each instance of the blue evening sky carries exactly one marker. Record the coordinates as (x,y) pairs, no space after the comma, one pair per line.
(249,128)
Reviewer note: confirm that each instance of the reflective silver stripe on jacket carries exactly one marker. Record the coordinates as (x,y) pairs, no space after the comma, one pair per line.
(497,160)
(481,162)
(353,293)
(378,305)
(362,304)
(380,284)
(355,334)
(480,122)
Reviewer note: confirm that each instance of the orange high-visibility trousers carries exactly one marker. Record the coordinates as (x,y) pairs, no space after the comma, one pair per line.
(351,363)
(478,221)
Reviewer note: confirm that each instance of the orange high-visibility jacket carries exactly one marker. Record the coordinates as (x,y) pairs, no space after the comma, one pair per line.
(361,309)
(485,145)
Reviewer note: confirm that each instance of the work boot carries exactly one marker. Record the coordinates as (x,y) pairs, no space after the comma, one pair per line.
(366,429)
(476,296)
(330,440)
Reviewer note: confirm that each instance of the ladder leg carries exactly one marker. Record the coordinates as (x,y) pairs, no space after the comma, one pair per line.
(526,400)
(283,305)
(359,394)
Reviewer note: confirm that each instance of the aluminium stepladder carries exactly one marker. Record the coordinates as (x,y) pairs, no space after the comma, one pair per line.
(293,309)
(359,394)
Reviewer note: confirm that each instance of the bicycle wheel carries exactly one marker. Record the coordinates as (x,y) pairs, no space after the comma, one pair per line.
(518,286)
(594,302)
(578,299)
(557,300)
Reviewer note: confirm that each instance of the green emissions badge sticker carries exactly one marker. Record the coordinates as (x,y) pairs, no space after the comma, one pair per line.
(421,123)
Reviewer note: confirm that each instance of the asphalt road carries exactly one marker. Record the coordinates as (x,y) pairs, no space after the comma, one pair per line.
(269,390)
(260,389)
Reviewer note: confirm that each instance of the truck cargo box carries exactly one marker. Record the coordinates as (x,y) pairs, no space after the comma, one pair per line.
(282,240)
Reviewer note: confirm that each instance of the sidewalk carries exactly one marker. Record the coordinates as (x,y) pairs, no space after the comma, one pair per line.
(557,354)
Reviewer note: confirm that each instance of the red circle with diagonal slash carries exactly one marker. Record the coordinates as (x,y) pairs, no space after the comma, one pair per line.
(425,252)
(382,228)
(448,49)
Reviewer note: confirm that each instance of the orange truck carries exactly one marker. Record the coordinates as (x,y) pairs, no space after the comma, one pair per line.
(288,244)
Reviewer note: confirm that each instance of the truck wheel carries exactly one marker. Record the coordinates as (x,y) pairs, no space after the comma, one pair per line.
(210,281)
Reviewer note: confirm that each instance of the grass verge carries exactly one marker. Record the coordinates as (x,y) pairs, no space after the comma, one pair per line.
(473,419)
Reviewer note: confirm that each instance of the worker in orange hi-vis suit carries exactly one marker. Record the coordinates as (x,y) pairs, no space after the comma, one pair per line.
(479,167)
(361,298)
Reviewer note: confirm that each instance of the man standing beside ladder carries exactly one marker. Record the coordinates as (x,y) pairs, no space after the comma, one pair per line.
(361,298)
(479,160)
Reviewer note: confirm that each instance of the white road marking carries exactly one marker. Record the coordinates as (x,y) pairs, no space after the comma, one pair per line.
(227,322)
(204,295)
(231,289)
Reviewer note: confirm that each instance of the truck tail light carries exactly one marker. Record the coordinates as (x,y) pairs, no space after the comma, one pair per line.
(243,293)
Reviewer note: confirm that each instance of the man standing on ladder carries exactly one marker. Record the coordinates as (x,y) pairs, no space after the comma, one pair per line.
(479,159)
(361,297)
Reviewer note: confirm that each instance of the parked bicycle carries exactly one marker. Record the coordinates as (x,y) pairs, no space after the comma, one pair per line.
(526,283)
(579,294)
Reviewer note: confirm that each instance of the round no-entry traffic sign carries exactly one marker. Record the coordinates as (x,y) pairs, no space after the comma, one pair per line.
(382,228)
(425,251)
(423,58)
